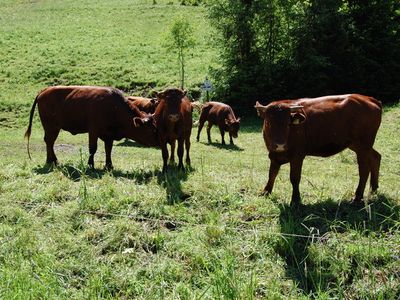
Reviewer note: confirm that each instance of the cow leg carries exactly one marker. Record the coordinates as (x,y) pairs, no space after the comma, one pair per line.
(222,131)
(209,125)
(364,167)
(187,146)
(50,137)
(108,144)
(273,172)
(375,164)
(180,153)
(172,156)
(295,176)
(164,152)
(92,149)
(230,139)
(201,124)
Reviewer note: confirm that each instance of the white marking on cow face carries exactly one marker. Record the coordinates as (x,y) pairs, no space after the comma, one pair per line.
(277,127)
(280,147)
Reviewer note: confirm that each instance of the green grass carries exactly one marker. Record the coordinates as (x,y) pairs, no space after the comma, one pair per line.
(70,232)
(73,233)
(118,43)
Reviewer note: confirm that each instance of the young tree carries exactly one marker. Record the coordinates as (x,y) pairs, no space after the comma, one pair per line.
(180,39)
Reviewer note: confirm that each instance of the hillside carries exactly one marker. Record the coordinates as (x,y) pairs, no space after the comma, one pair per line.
(115,43)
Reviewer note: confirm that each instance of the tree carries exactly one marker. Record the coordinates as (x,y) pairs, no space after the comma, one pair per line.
(253,42)
(179,40)
(273,49)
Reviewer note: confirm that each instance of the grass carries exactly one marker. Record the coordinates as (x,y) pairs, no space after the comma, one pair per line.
(119,43)
(69,232)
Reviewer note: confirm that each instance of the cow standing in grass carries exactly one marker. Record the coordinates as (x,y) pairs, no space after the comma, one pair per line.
(100,111)
(173,118)
(222,115)
(323,127)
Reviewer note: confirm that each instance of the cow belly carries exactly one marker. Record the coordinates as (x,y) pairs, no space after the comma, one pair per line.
(75,129)
(327,149)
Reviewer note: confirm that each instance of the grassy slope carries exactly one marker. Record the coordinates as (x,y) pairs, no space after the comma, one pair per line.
(118,43)
(73,233)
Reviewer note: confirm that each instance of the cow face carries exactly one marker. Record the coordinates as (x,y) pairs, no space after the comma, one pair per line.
(278,119)
(233,127)
(172,98)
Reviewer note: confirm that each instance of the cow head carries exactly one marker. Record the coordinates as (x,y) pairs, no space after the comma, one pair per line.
(233,127)
(278,119)
(172,98)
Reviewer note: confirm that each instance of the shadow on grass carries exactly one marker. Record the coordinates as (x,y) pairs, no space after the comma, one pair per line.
(75,174)
(130,143)
(172,182)
(226,147)
(320,219)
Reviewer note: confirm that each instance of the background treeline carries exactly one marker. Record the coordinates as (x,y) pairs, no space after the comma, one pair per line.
(273,49)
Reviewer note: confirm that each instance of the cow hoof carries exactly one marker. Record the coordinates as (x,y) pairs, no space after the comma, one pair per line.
(52,163)
(357,201)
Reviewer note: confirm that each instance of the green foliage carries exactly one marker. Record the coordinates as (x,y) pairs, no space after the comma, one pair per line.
(349,46)
(290,49)
(180,40)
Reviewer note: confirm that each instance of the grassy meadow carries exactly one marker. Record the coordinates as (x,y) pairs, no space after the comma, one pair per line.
(132,233)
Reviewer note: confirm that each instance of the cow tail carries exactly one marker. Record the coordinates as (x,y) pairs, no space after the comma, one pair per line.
(29,130)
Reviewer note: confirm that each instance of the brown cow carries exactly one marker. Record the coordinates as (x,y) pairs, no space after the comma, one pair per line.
(221,114)
(321,127)
(173,118)
(101,111)
(147,105)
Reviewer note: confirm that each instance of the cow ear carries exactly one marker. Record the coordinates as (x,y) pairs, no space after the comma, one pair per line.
(297,118)
(159,95)
(260,109)
(140,121)
(238,120)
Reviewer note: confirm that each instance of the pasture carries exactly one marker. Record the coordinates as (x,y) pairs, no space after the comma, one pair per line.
(70,232)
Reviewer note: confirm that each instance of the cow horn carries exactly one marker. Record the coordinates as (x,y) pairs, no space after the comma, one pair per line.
(260,109)
(258,104)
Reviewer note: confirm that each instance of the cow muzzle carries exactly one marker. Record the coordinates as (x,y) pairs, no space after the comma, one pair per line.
(173,118)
